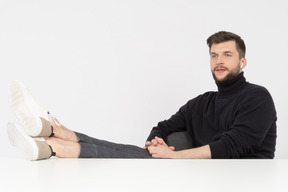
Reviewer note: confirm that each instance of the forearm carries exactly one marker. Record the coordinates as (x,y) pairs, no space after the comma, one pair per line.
(203,152)
(175,124)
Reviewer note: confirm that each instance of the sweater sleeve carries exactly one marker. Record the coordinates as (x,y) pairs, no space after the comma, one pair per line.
(255,116)
(174,124)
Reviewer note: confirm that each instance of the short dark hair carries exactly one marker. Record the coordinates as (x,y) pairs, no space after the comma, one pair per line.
(223,36)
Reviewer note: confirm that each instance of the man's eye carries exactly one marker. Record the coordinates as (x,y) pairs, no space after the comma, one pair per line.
(213,56)
(228,55)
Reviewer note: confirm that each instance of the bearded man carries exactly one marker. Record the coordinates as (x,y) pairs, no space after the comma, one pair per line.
(237,121)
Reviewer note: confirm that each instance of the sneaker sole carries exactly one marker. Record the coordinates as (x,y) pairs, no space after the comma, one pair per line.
(21,140)
(20,104)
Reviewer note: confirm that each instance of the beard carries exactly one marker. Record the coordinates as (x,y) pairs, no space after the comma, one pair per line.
(229,77)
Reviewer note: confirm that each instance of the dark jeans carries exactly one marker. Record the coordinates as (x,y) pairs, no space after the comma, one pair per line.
(95,148)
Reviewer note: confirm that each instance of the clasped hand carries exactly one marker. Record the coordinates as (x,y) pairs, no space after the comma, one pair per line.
(159,149)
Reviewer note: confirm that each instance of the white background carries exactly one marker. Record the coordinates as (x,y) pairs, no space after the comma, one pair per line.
(114,69)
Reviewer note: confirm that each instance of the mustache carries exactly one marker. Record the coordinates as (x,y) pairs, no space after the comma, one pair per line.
(215,68)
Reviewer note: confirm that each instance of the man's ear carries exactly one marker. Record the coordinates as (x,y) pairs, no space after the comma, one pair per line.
(243,64)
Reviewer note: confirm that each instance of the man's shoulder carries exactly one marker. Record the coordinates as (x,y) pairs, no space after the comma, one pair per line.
(256,93)
(254,88)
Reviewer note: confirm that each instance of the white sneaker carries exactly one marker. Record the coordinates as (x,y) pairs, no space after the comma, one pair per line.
(34,118)
(33,149)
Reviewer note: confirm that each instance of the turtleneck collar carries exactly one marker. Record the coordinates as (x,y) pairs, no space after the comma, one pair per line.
(233,86)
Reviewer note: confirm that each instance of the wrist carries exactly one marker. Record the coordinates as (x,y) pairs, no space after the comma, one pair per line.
(176,155)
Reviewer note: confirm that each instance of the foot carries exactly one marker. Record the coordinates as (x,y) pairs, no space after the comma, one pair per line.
(33,148)
(34,119)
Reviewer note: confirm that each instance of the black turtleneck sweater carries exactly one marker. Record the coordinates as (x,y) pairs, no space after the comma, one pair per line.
(238,121)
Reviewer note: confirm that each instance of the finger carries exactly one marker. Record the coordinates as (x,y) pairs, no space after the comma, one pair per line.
(152,150)
(154,142)
(172,148)
(159,140)
(148,143)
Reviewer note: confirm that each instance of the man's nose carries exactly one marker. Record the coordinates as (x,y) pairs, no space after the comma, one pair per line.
(219,60)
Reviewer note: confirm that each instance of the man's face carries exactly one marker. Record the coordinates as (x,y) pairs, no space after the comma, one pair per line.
(225,61)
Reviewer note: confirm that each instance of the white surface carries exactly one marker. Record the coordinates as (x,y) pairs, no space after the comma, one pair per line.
(143,175)
(114,69)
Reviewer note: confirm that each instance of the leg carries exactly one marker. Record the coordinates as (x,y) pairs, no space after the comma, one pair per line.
(95,148)
(89,150)
(62,132)
(121,147)
(64,148)
(65,144)
(89,147)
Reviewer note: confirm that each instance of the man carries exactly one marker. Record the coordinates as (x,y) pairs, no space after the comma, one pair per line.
(238,121)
